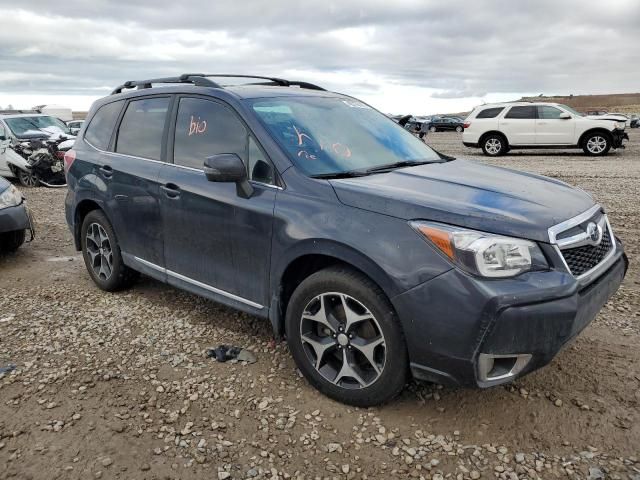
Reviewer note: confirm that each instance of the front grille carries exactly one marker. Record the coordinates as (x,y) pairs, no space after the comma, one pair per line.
(582,259)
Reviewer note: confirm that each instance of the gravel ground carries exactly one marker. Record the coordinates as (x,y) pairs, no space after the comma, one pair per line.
(118,385)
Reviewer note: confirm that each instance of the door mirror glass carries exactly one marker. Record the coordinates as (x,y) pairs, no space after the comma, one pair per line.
(564,116)
(228,167)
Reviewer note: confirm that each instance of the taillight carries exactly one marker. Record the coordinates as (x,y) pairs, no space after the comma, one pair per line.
(466,124)
(69,158)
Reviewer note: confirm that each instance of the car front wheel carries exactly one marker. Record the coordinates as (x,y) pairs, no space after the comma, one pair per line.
(433,129)
(102,255)
(27,179)
(11,241)
(459,129)
(346,339)
(597,144)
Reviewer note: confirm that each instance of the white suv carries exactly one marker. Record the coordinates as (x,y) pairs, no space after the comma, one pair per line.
(499,127)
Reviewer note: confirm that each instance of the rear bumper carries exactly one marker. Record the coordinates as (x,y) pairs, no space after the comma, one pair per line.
(454,320)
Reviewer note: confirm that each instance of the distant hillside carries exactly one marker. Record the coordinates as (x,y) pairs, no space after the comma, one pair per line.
(619,102)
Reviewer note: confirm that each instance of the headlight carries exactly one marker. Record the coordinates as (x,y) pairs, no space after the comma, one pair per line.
(483,254)
(621,125)
(10,197)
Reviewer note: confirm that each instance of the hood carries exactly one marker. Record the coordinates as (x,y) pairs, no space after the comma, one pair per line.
(615,117)
(468,194)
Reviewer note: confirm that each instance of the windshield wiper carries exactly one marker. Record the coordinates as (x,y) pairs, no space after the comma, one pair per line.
(393,166)
(347,174)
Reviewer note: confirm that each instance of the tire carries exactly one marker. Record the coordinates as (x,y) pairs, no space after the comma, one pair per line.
(459,129)
(26,179)
(596,144)
(373,344)
(101,254)
(11,241)
(433,129)
(494,145)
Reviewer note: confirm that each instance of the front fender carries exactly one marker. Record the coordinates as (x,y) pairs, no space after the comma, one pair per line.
(16,160)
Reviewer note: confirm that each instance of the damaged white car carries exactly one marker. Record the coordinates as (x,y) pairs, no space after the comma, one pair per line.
(28,143)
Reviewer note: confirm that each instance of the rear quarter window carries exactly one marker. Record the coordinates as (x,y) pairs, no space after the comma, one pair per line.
(100,129)
(490,112)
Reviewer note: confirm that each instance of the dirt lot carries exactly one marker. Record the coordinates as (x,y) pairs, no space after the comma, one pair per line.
(118,385)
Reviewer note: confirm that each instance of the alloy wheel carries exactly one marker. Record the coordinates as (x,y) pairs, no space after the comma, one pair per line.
(342,340)
(493,146)
(27,179)
(596,144)
(100,251)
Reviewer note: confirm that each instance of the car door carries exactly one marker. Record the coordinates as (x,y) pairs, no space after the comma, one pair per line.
(130,174)
(5,141)
(519,125)
(553,130)
(216,243)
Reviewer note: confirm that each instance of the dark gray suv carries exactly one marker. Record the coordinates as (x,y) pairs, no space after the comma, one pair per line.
(377,257)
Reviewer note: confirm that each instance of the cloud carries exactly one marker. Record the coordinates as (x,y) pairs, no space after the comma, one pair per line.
(425,52)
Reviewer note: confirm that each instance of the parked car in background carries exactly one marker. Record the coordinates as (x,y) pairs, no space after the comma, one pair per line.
(595,113)
(24,127)
(499,127)
(443,124)
(75,126)
(634,122)
(375,256)
(15,220)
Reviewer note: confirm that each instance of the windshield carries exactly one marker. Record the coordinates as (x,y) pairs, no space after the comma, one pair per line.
(571,110)
(335,135)
(20,125)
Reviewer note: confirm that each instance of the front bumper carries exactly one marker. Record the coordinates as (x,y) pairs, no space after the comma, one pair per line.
(452,321)
(619,136)
(16,218)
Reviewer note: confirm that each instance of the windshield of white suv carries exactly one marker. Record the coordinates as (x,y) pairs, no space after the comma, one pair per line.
(20,125)
(571,110)
(331,136)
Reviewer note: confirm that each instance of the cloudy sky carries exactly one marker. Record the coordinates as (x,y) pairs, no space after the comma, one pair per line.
(402,56)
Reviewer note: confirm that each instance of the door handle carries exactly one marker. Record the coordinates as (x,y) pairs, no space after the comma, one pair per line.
(542,123)
(107,171)
(171,190)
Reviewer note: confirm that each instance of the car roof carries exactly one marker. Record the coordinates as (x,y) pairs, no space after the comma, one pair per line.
(518,104)
(23,115)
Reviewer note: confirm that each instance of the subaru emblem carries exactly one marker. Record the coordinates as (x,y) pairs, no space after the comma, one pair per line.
(594,232)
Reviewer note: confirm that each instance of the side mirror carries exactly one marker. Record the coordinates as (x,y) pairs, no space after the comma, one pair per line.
(564,116)
(228,168)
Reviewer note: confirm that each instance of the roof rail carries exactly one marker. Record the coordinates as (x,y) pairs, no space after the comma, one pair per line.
(202,80)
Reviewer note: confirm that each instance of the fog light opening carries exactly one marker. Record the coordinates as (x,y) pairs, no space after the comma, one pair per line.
(500,367)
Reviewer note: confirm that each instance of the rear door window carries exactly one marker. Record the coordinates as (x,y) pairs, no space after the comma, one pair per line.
(142,127)
(527,112)
(100,129)
(490,112)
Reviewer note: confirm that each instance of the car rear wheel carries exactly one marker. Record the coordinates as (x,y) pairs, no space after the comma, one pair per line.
(345,338)
(597,144)
(11,241)
(102,255)
(494,146)
(459,129)
(27,179)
